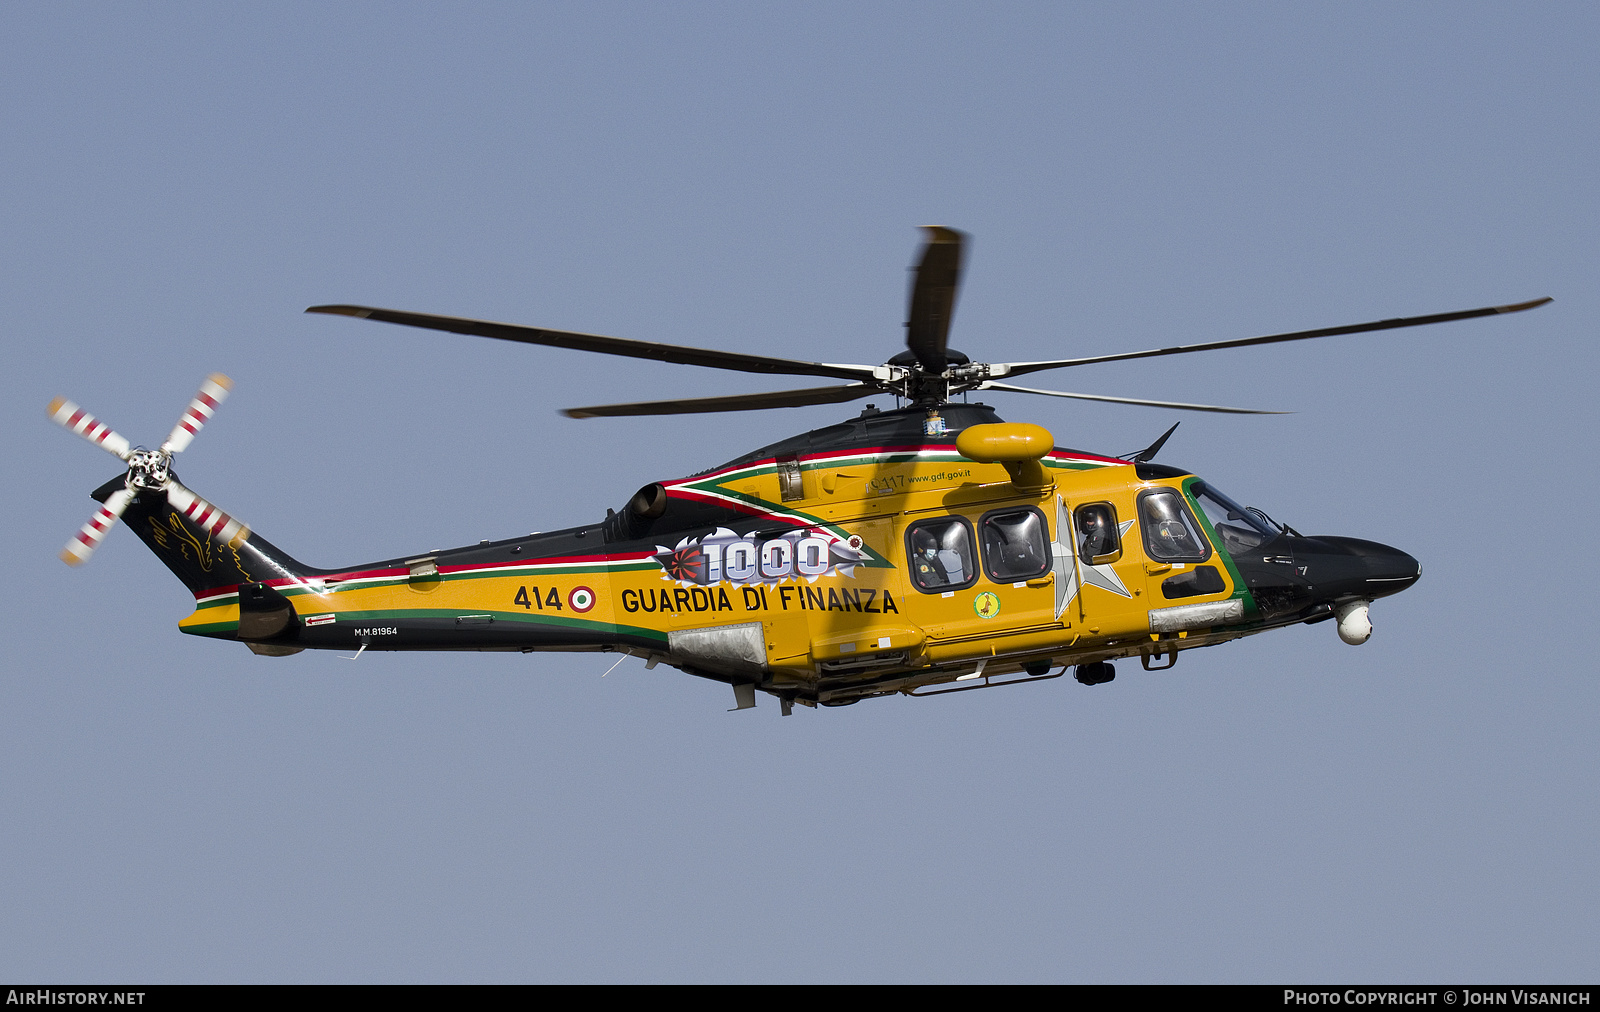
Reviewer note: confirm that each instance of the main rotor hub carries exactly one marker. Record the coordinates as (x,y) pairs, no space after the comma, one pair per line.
(921,386)
(908,360)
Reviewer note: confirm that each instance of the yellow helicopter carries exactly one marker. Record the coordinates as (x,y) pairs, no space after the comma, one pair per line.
(927,549)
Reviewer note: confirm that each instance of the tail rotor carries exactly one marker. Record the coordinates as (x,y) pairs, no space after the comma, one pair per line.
(148,470)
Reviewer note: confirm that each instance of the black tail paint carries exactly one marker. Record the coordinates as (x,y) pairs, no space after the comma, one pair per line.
(200,561)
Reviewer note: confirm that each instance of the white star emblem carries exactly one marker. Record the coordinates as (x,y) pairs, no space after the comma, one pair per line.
(1070,574)
(1062,560)
(1104,576)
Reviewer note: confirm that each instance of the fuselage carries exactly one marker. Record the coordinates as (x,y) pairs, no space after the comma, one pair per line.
(856,560)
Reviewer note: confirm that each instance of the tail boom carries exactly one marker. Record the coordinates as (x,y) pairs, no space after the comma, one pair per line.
(428,607)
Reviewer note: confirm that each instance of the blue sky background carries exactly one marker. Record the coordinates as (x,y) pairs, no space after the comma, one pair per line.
(180,181)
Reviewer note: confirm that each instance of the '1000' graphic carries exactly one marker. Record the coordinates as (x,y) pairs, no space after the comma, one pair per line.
(803,553)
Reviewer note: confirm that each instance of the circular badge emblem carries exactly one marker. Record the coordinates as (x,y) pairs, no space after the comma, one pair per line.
(582,599)
(987,605)
(854,542)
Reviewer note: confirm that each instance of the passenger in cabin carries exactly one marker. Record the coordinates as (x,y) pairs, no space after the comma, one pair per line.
(941,554)
(926,565)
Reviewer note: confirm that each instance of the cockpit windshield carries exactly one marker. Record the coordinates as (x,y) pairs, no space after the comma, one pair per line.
(1243,528)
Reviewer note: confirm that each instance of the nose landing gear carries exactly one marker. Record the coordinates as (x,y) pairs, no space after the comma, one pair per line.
(1097,673)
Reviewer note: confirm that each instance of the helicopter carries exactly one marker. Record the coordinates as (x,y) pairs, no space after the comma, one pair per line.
(921,550)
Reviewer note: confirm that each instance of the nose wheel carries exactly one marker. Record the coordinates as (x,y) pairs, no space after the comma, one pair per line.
(1097,673)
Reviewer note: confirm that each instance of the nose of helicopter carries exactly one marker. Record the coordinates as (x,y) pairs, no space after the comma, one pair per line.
(1350,567)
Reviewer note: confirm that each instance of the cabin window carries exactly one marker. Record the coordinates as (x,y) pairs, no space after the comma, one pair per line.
(1015,545)
(1170,534)
(941,556)
(1099,541)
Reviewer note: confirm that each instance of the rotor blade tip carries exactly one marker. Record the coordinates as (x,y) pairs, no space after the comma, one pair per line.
(70,559)
(357,311)
(220,380)
(575,413)
(1520,306)
(55,406)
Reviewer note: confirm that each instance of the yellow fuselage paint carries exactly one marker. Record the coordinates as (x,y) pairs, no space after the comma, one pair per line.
(812,625)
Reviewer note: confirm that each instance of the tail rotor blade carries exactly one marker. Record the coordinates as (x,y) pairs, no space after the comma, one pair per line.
(212,393)
(74,419)
(217,524)
(92,533)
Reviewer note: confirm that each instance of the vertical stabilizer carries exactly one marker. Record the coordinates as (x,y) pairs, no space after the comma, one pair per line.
(195,553)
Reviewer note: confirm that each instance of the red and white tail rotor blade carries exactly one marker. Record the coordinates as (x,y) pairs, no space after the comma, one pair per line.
(74,419)
(217,524)
(212,393)
(89,537)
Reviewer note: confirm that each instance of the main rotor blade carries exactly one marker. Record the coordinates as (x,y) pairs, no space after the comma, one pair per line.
(738,402)
(1020,368)
(604,345)
(933,297)
(74,419)
(92,533)
(213,391)
(991,385)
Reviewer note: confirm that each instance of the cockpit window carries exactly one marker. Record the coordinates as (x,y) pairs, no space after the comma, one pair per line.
(1241,528)
(1169,531)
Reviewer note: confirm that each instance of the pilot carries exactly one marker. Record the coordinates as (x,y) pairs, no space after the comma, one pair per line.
(1095,531)
(930,573)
